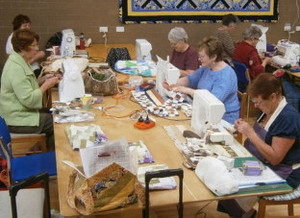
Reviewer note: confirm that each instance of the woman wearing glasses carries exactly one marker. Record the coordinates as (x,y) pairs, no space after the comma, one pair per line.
(21,93)
(184,56)
(246,52)
(214,75)
(274,139)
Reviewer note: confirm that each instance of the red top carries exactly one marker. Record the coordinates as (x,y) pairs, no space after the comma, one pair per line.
(187,60)
(247,54)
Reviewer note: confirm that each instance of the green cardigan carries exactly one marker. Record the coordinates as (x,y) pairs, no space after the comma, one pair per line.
(20,97)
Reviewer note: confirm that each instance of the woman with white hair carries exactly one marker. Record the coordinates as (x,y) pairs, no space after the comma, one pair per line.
(246,52)
(184,56)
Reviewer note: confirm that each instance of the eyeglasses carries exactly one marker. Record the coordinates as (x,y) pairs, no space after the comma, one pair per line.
(36,46)
(256,103)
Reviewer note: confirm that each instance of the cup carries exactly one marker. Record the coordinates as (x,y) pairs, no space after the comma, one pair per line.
(87,101)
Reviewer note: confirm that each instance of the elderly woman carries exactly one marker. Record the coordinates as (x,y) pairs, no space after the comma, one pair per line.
(23,22)
(184,56)
(21,93)
(215,75)
(229,23)
(274,139)
(246,52)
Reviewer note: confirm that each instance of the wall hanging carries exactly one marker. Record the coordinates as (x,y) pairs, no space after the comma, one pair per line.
(195,11)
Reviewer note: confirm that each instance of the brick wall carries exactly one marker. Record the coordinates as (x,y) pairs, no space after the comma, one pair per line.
(50,16)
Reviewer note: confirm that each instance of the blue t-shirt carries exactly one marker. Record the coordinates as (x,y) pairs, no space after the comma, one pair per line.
(222,84)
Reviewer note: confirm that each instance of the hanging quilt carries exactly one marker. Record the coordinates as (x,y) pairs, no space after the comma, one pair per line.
(195,11)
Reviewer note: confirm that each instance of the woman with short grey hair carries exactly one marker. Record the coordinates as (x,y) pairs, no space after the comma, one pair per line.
(246,52)
(184,56)
(252,32)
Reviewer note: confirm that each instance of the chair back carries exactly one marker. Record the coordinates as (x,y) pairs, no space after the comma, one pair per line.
(5,140)
(242,74)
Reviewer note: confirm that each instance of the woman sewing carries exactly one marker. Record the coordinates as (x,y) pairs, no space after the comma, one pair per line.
(21,92)
(274,139)
(215,75)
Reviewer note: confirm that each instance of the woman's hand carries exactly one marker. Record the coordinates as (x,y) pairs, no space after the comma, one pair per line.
(183,89)
(243,127)
(49,83)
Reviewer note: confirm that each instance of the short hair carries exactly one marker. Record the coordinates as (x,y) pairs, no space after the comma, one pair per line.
(264,85)
(19,20)
(177,33)
(212,46)
(252,32)
(23,38)
(230,19)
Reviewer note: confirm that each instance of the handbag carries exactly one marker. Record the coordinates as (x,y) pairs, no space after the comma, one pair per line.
(100,81)
(110,188)
(116,54)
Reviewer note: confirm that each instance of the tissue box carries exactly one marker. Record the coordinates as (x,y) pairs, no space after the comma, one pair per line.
(252,168)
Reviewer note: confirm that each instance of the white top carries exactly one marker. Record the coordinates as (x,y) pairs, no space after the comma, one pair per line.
(9,48)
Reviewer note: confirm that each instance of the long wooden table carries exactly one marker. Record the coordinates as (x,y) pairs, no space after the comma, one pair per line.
(160,145)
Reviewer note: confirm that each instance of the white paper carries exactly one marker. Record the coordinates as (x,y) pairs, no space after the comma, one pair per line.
(96,158)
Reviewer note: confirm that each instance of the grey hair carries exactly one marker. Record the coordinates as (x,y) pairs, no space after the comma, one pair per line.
(177,33)
(252,32)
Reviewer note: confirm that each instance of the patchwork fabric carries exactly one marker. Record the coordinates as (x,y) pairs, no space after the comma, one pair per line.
(195,11)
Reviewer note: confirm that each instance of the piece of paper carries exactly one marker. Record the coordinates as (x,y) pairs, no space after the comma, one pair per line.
(97,157)
(156,183)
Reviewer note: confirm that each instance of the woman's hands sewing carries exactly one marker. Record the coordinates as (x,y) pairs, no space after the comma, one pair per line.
(48,81)
(244,127)
(178,88)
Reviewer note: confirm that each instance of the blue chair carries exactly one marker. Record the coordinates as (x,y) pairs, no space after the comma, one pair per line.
(20,168)
(242,75)
(243,79)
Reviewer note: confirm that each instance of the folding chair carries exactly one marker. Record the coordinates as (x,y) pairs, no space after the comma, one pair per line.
(161,174)
(20,168)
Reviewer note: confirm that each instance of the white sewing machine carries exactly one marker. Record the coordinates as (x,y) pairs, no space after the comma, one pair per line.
(68,45)
(207,118)
(290,53)
(166,72)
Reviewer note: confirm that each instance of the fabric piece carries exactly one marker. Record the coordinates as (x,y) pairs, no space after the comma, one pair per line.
(187,60)
(197,11)
(214,174)
(83,136)
(222,84)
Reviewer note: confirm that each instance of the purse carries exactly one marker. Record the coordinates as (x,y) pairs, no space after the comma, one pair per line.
(110,188)
(100,81)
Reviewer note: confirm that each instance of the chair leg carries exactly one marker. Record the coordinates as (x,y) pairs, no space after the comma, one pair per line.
(291,209)
(261,208)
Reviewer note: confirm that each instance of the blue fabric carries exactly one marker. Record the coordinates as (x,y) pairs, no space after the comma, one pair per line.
(27,166)
(222,84)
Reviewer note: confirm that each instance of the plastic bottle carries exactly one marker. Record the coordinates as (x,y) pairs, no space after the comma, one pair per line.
(81,41)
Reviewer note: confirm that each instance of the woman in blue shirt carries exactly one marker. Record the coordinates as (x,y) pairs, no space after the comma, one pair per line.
(214,75)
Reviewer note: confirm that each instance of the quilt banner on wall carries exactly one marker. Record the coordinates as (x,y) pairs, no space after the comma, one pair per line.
(196,11)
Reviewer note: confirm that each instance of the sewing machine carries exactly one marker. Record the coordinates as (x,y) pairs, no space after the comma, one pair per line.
(68,45)
(290,53)
(166,72)
(207,118)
